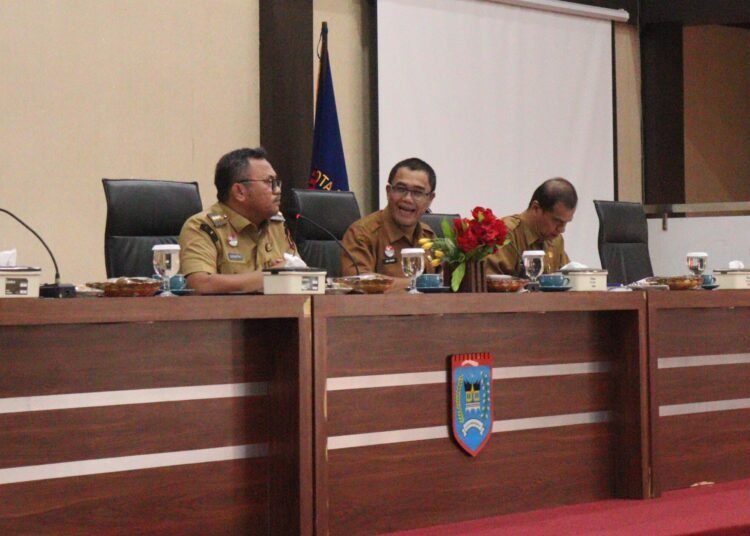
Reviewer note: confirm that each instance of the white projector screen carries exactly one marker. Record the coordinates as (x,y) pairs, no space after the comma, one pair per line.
(498,98)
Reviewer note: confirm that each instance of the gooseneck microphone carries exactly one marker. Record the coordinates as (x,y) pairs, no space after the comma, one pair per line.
(48,290)
(301,216)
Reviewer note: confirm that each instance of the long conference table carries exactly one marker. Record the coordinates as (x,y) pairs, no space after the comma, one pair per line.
(331,414)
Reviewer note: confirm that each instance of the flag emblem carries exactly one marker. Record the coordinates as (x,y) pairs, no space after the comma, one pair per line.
(471,400)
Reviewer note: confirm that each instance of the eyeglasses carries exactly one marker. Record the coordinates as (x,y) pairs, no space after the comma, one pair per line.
(274,183)
(416,195)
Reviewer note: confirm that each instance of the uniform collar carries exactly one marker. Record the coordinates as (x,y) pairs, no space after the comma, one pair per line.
(530,234)
(395,232)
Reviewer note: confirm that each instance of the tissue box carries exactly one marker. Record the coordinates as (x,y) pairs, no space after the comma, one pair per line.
(732,279)
(19,282)
(587,279)
(294,281)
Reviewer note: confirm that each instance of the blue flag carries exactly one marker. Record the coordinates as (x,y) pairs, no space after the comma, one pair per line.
(328,169)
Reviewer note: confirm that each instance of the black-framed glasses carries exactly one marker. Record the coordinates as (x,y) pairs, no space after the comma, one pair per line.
(401,191)
(274,183)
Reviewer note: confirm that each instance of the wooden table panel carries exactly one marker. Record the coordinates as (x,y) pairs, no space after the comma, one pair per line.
(437,483)
(132,415)
(699,406)
(382,406)
(409,343)
(368,410)
(702,448)
(211,498)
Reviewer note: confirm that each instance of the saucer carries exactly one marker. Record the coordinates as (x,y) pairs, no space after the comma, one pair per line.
(555,289)
(433,290)
(183,291)
(710,287)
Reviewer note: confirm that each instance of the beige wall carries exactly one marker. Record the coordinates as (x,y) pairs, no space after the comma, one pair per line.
(137,88)
(716,62)
(628,88)
(115,88)
(348,46)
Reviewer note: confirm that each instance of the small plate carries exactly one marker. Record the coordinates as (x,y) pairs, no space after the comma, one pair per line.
(434,290)
(710,287)
(555,289)
(336,291)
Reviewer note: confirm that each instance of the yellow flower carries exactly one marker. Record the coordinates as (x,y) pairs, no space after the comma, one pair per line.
(427,246)
(423,241)
(438,253)
(435,263)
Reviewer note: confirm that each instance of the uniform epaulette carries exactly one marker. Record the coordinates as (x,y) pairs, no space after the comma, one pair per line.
(219,220)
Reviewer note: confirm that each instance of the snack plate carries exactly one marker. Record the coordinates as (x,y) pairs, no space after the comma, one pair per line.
(125,287)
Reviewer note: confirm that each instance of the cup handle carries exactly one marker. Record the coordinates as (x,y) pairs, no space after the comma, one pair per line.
(566,281)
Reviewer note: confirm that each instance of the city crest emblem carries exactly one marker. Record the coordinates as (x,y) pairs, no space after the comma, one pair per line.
(471,400)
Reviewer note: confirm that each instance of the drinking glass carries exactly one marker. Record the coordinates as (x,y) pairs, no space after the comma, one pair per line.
(533,263)
(166,264)
(412,263)
(697,261)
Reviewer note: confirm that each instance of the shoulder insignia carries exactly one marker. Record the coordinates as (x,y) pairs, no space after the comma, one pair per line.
(206,228)
(219,220)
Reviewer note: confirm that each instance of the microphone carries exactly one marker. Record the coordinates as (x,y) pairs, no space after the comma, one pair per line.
(48,290)
(301,216)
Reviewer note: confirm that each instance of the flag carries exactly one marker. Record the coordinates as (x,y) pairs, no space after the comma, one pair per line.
(328,169)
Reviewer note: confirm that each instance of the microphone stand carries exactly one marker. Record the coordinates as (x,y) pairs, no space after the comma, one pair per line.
(48,290)
(301,216)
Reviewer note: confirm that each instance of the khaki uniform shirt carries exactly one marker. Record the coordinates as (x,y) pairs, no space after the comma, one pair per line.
(375,242)
(508,260)
(222,241)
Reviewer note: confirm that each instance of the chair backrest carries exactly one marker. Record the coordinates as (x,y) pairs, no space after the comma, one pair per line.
(623,241)
(140,214)
(433,219)
(333,212)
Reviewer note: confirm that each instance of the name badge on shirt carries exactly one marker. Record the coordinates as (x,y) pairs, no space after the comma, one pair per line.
(236,257)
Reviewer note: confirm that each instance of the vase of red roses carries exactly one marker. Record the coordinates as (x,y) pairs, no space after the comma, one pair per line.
(465,245)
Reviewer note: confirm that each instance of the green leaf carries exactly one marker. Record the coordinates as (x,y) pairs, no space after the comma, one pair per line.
(458,276)
(447,229)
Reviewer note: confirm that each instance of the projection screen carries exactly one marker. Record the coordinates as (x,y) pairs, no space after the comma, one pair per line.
(498,98)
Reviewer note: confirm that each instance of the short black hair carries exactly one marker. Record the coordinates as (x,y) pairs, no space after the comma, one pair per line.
(415,164)
(231,169)
(553,191)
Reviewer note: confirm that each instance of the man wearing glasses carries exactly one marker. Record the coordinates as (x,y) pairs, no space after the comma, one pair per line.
(375,241)
(226,248)
(539,227)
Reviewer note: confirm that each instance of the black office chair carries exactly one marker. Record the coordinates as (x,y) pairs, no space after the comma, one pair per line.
(623,241)
(323,215)
(433,219)
(140,214)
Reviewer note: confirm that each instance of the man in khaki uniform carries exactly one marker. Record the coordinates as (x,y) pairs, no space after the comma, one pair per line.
(540,227)
(225,248)
(375,241)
